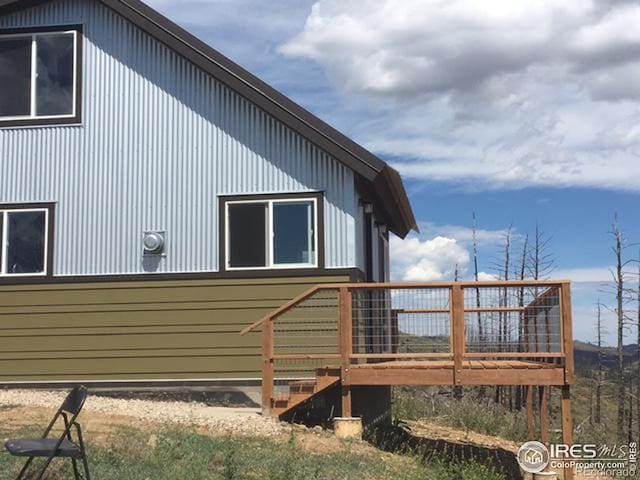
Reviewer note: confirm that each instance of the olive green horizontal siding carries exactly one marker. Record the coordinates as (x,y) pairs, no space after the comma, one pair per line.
(151,330)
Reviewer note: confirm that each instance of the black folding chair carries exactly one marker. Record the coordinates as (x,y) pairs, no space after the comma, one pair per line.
(64,446)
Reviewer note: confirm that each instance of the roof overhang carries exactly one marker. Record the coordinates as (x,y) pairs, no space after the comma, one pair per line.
(383,182)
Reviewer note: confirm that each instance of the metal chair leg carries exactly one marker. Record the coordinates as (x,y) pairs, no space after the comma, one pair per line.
(44,468)
(86,466)
(76,474)
(84,453)
(24,468)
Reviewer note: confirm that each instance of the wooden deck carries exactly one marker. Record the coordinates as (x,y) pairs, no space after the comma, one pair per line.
(441,372)
(457,334)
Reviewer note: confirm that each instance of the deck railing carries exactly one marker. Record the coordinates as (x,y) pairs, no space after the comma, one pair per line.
(346,324)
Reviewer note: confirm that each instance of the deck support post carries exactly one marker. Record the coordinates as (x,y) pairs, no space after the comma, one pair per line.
(267,366)
(544,414)
(457,326)
(531,426)
(567,425)
(346,346)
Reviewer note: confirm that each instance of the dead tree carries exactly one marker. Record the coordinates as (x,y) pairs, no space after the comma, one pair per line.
(474,237)
(599,332)
(541,264)
(541,258)
(503,267)
(618,275)
(521,275)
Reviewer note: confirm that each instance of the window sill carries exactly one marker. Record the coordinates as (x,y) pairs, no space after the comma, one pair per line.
(272,268)
(272,272)
(42,122)
(23,275)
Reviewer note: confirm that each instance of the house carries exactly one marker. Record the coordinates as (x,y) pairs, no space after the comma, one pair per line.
(155,198)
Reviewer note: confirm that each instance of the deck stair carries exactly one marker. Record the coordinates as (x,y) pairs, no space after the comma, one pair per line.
(300,391)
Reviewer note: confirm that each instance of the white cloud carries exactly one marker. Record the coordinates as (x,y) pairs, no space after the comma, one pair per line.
(496,94)
(416,260)
(487,277)
(434,254)
(464,235)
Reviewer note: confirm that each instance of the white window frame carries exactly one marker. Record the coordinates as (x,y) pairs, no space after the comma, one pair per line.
(4,213)
(34,64)
(269,244)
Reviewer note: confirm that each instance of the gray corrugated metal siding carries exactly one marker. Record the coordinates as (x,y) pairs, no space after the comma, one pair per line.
(160,141)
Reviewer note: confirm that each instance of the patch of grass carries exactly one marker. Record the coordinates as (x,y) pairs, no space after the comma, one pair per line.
(470,470)
(469,413)
(174,453)
(484,416)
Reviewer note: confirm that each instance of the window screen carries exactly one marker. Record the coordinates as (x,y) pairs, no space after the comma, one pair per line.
(15,77)
(247,235)
(25,242)
(293,234)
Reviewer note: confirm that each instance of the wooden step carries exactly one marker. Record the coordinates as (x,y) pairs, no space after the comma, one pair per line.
(302,390)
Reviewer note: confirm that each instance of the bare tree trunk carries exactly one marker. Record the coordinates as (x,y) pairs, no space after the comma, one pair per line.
(521,319)
(541,264)
(475,276)
(598,412)
(619,280)
(502,318)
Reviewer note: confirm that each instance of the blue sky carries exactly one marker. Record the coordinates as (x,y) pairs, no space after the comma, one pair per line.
(518,111)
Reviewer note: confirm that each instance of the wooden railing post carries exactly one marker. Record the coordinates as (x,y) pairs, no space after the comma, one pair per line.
(267,366)
(457,322)
(345,341)
(567,332)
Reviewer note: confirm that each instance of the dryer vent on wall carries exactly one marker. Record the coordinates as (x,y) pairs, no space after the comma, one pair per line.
(153,243)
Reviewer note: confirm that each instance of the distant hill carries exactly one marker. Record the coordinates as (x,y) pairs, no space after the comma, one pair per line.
(586,355)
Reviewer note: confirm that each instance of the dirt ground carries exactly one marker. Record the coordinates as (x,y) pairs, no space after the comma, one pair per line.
(102,416)
(131,412)
(448,434)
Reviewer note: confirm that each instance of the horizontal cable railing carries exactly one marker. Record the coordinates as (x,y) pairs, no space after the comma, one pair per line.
(345,324)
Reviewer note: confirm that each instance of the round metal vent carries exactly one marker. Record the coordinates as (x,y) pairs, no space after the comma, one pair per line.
(153,242)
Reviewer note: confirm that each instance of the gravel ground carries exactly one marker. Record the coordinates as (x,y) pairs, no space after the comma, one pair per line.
(224,419)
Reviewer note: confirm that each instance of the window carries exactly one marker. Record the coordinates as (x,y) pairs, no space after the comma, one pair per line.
(39,77)
(23,241)
(271,233)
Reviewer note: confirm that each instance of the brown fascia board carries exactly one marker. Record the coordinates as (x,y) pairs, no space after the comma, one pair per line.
(389,189)
(345,150)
